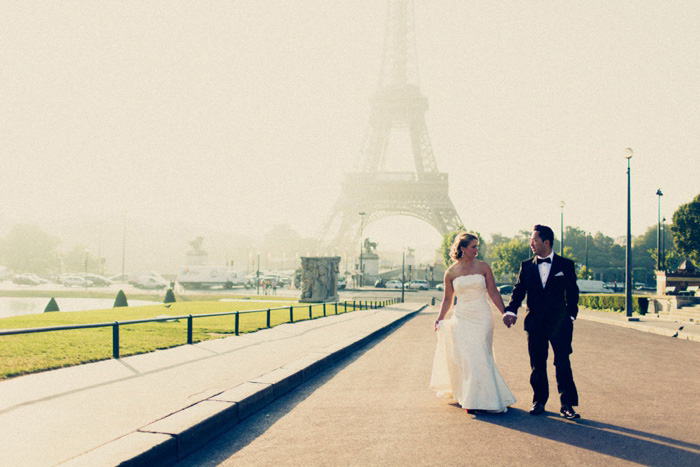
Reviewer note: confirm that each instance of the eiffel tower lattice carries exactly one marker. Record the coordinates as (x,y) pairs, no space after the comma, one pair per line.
(372,190)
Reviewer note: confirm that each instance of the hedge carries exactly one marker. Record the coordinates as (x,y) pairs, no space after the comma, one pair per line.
(613,302)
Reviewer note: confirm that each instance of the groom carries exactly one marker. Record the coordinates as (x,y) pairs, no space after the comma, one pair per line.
(552,301)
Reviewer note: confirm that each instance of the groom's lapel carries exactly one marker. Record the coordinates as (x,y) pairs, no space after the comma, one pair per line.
(536,272)
(554,270)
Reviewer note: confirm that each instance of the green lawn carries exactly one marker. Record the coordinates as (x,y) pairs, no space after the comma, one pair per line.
(29,353)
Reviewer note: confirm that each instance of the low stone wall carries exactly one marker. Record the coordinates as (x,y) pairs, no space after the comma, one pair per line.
(670,303)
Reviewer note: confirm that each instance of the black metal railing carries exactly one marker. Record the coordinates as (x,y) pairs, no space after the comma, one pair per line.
(351,305)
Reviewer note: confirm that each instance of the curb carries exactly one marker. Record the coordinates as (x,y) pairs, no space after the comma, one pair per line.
(179,434)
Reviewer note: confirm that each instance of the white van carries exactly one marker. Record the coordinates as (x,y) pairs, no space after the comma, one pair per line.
(591,286)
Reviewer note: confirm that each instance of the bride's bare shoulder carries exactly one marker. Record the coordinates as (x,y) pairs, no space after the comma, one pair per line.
(484,267)
(451,271)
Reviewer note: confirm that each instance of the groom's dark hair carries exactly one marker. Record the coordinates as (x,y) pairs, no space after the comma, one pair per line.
(545,233)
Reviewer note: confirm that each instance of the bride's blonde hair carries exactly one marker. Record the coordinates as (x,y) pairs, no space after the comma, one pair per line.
(462,239)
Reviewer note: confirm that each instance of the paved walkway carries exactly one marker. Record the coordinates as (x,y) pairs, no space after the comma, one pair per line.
(163,406)
(638,400)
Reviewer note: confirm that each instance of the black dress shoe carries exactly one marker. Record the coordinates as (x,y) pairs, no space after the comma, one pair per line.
(537,408)
(568,412)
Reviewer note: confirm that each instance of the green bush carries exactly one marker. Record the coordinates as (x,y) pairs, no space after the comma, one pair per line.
(613,302)
(120,300)
(169,296)
(51,306)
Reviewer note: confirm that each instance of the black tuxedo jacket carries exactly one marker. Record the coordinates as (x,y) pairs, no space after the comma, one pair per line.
(551,305)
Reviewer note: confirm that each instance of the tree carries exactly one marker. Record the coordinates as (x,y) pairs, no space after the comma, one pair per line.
(685,228)
(27,248)
(508,256)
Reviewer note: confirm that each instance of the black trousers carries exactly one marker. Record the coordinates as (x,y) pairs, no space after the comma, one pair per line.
(538,347)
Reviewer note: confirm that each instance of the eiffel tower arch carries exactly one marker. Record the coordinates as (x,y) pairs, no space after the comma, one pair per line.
(398,104)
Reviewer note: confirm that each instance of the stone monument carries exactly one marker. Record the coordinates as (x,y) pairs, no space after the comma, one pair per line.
(319,279)
(370,262)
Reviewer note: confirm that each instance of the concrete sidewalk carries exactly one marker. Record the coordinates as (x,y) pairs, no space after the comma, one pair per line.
(654,323)
(158,407)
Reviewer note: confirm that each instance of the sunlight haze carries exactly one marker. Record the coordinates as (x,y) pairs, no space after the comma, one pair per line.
(225,119)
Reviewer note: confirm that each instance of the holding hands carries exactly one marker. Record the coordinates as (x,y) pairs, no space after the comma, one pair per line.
(509,319)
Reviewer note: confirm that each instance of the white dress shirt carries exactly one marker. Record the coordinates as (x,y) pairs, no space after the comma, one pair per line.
(544,268)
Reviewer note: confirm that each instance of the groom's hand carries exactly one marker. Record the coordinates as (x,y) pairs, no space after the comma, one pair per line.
(509,319)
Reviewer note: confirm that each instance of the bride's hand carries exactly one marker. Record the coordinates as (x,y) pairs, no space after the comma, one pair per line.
(437,321)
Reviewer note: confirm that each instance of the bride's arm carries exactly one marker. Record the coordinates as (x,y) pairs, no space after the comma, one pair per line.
(447,296)
(494,295)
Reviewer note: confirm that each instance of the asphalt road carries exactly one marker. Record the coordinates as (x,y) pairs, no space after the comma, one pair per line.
(639,402)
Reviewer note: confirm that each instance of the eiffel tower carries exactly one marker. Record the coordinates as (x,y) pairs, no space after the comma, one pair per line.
(398,104)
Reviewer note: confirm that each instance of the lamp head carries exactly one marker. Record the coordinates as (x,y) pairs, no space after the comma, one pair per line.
(629,153)
(658,192)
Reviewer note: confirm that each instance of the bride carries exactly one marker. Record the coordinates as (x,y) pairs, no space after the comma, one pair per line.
(464,368)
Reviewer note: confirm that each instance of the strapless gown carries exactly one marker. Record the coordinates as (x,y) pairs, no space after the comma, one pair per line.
(464,368)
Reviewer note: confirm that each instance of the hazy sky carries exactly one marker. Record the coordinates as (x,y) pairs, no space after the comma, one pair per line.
(233,116)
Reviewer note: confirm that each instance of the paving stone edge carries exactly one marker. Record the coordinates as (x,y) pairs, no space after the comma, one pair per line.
(177,435)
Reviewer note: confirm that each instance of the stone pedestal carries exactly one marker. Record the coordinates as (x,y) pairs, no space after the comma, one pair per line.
(370,265)
(319,279)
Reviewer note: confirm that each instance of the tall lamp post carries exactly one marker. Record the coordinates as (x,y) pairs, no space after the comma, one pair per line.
(403,273)
(628,264)
(586,255)
(663,243)
(561,243)
(362,224)
(658,233)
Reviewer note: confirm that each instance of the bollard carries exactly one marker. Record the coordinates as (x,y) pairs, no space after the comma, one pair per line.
(433,301)
(115,339)
(310,313)
(268,317)
(336,308)
(189,329)
(324,308)
(237,322)
(291,314)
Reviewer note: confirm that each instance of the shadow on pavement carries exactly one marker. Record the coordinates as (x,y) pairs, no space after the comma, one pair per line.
(611,440)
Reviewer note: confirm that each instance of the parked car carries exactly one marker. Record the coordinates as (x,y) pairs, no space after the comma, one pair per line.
(393,284)
(150,282)
(341,283)
(440,286)
(76,281)
(99,281)
(505,289)
(25,279)
(419,285)
(381,283)
(119,278)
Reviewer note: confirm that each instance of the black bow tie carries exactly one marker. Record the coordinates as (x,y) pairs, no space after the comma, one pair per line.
(544,260)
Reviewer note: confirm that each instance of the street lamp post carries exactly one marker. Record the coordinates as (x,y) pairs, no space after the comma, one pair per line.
(658,233)
(361,271)
(561,243)
(403,274)
(628,264)
(586,255)
(663,243)
(123,249)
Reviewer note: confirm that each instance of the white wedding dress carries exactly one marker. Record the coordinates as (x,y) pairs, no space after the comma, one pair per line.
(464,368)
